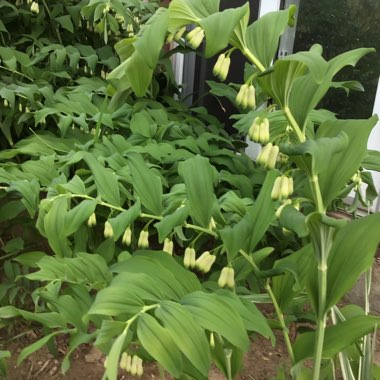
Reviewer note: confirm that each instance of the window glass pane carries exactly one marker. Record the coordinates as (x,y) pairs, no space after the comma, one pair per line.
(342,25)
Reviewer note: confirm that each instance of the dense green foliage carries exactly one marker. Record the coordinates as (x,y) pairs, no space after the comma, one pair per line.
(151,222)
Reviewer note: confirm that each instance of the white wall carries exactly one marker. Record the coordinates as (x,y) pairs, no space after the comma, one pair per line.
(374,143)
(267,6)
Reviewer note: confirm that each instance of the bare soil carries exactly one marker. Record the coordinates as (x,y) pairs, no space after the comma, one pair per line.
(260,363)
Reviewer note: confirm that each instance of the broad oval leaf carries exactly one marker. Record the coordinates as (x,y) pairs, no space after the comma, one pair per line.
(186,333)
(158,342)
(199,177)
(214,314)
(146,183)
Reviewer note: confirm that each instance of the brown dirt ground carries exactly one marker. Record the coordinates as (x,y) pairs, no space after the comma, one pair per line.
(260,363)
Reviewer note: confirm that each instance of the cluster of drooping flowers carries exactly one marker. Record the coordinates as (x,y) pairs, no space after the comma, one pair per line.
(227,277)
(176,36)
(268,156)
(131,364)
(195,37)
(246,97)
(222,66)
(34,7)
(259,130)
(282,188)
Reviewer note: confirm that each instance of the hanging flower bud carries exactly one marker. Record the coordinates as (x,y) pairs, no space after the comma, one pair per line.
(218,65)
(135,360)
(241,95)
(273,154)
(119,18)
(108,230)
(106,8)
(200,259)
(222,280)
(225,69)
(206,263)
(91,222)
(251,97)
(212,225)
(128,363)
(168,246)
(169,38)
(262,158)
(254,130)
(282,188)
(230,282)
(6,103)
(178,35)
(130,30)
(264,131)
(140,368)
(127,236)
(124,360)
(35,8)
(136,366)
(212,340)
(290,186)
(227,277)
(143,241)
(276,190)
(189,258)
(195,37)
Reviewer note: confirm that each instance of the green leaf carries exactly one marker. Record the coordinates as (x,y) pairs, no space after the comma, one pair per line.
(124,219)
(65,22)
(85,268)
(215,314)
(372,160)
(294,220)
(186,333)
(54,226)
(351,254)
(151,38)
(251,316)
(106,181)
(183,12)
(141,124)
(30,259)
(113,357)
(158,342)
(76,340)
(146,184)
(158,275)
(337,337)
(199,177)
(37,345)
(169,222)
(116,300)
(108,330)
(221,24)
(344,164)
(263,35)
(222,89)
(251,228)
(30,191)
(78,215)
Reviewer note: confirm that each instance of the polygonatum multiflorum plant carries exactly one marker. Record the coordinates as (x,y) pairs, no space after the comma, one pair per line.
(162,237)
